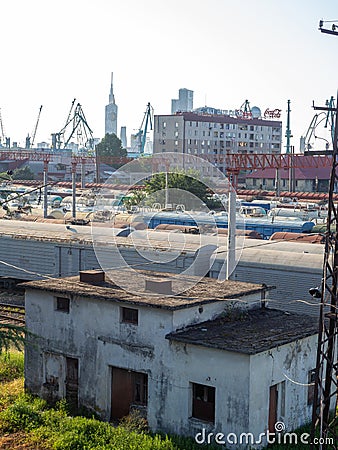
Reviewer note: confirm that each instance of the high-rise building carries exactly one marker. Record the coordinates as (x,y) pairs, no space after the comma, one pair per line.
(111,112)
(184,102)
(123,136)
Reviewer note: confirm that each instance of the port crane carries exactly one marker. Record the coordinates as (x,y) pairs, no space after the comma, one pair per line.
(76,126)
(318,118)
(141,135)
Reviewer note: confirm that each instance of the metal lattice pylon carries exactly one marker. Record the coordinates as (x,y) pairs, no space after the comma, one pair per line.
(324,415)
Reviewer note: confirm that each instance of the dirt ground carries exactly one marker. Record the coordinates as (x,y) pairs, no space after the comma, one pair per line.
(16,441)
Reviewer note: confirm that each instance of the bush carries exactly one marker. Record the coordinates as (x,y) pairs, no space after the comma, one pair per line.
(24,414)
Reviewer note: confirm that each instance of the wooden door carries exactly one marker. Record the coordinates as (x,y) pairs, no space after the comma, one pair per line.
(72,382)
(273,402)
(121,392)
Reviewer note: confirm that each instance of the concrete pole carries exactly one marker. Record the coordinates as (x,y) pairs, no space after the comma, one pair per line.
(83,173)
(97,166)
(74,190)
(277,181)
(166,201)
(45,189)
(231,254)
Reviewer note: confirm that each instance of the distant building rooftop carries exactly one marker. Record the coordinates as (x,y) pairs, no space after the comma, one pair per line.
(249,332)
(204,291)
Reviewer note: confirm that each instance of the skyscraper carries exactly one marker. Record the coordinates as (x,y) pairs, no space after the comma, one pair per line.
(111,112)
(123,136)
(184,101)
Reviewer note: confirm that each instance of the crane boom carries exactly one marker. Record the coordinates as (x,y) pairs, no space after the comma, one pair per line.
(36,126)
(3,137)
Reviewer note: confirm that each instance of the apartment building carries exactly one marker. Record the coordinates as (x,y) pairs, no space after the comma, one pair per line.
(213,135)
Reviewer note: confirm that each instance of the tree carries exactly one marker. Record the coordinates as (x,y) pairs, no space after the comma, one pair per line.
(183,181)
(111,146)
(23,173)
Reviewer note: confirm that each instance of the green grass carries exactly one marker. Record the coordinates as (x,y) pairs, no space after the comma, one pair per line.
(11,365)
(55,429)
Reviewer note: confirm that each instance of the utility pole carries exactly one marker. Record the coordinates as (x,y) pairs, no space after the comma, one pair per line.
(292,184)
(231,253)
(324,413)
(325,402)
(288,131)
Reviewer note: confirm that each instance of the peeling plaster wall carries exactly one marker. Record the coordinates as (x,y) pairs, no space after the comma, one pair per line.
(291,364)
(93,332)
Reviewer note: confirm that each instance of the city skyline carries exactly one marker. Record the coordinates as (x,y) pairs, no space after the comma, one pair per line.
(226,53)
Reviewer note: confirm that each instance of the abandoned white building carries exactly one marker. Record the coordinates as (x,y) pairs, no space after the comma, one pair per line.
(215,357)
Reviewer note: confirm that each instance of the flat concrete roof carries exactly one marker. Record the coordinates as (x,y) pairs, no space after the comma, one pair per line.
(249,332)
(205,290)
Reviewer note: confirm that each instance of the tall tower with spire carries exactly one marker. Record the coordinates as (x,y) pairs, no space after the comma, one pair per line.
(111,112)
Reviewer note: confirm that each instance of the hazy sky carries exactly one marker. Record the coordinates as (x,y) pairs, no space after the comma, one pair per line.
(226,51)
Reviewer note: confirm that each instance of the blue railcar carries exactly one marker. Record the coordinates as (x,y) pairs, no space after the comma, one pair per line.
(263,225)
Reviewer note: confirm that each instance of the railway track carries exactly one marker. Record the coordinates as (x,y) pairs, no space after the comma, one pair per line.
(11,313)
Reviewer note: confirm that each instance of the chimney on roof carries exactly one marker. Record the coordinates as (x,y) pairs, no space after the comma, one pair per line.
(159,286)
(92,276)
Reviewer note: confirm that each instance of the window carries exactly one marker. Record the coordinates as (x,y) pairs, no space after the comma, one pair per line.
(62,304)
(164,124)
(140,396)
(130,315)
(311,378)
(203,402)
(176,124)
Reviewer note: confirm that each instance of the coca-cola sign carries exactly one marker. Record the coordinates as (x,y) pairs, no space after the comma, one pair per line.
(272,113)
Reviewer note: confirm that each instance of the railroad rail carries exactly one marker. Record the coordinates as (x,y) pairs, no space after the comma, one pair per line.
(12,313)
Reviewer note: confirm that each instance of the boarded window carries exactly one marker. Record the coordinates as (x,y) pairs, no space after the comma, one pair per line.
(203,402)
(130,315)
(311,387)
(62,304)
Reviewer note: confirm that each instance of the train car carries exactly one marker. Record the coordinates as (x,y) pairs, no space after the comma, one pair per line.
(312,238)
(263,225)
(34,250)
